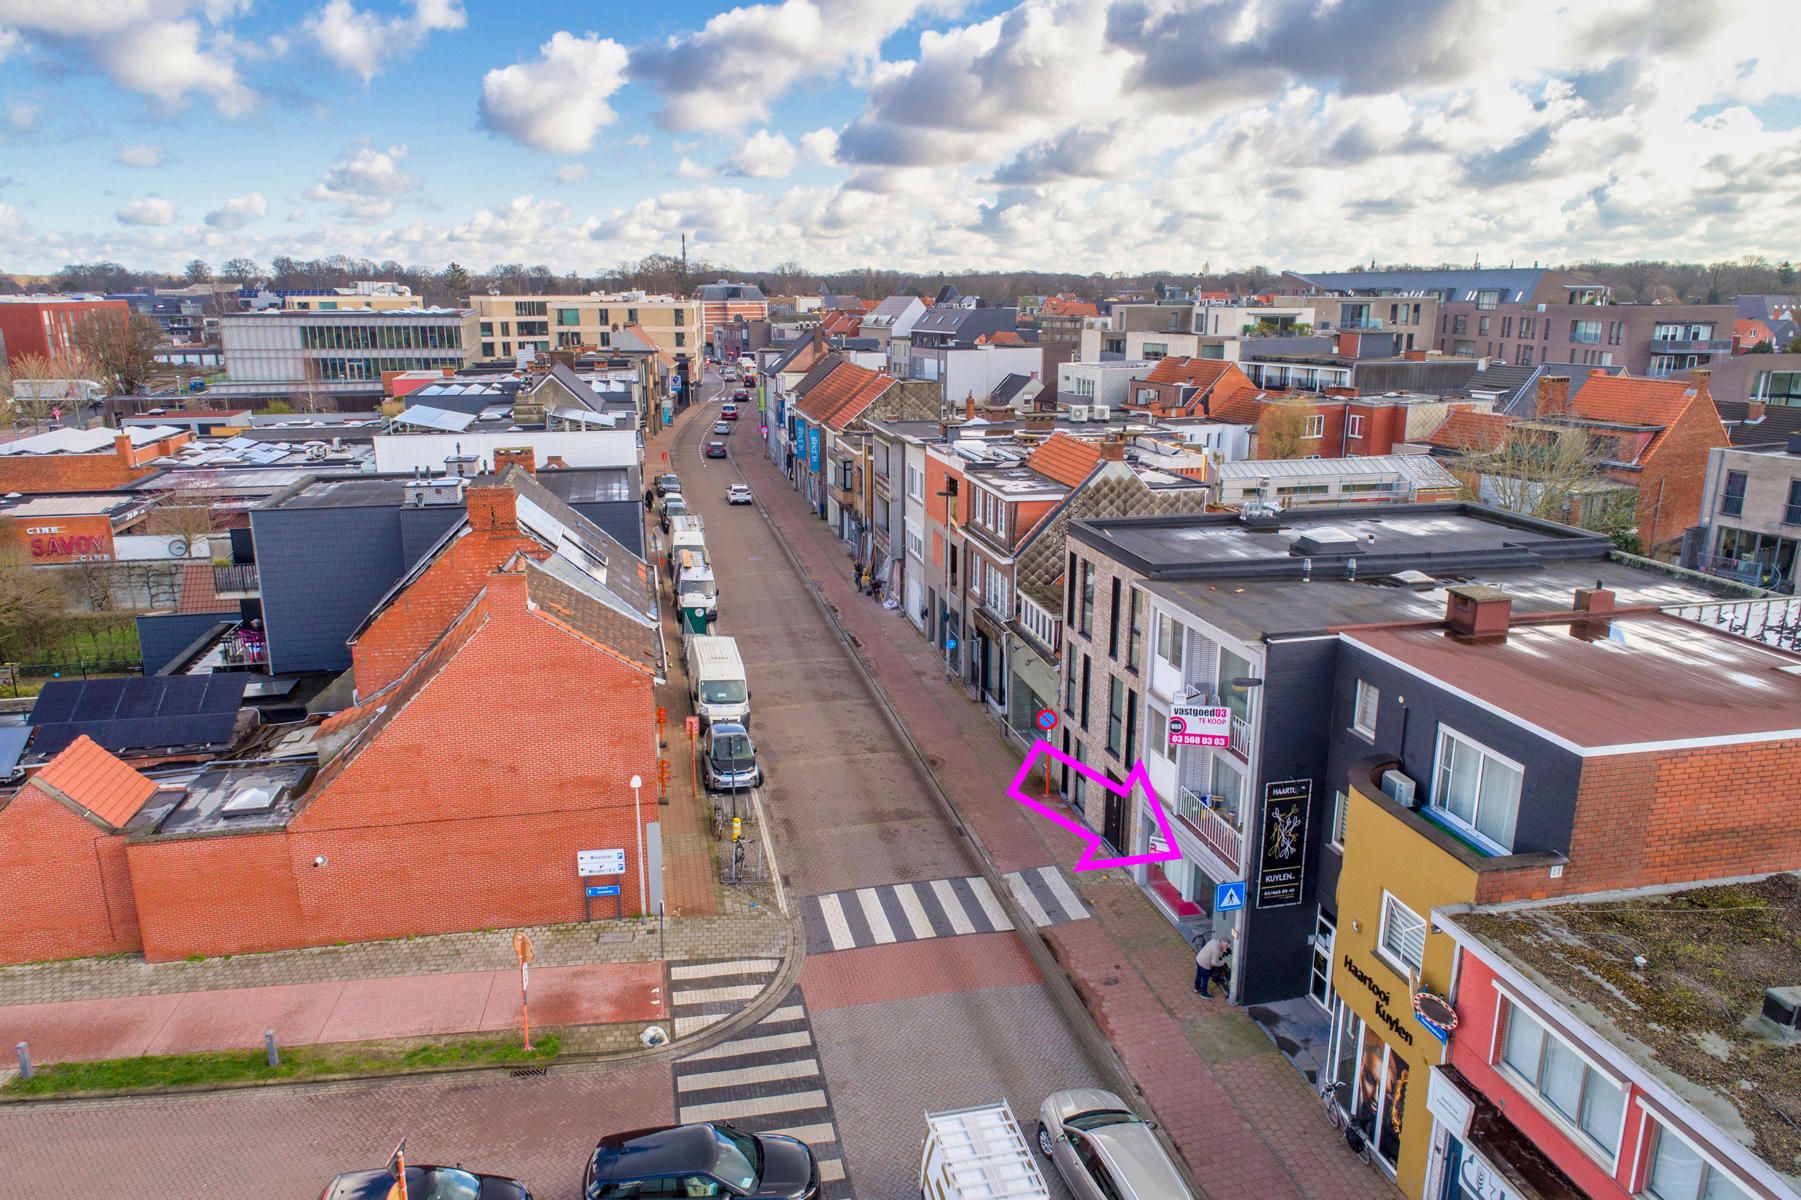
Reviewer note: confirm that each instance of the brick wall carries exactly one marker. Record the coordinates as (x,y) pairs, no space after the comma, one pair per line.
(67,472)
(1671,484)
(64,892)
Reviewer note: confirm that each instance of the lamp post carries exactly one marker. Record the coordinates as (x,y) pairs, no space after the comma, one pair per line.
(638,822)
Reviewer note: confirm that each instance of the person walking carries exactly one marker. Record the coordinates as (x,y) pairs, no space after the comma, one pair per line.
(1209,958)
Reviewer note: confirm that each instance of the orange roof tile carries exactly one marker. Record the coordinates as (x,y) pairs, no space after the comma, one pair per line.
(1632,399)
(842,395)
(96,780)
(1470,429)
(1068,460)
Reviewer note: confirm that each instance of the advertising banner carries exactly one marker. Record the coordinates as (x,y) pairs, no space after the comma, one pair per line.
(1190,725)
(1282,871)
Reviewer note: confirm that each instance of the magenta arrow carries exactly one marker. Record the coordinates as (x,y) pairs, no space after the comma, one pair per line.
(1137,779)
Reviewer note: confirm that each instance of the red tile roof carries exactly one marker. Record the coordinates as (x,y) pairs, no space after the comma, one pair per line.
(1068,306)
(1001,337)
(1230,394)
(1469,429)
(842,395)
(1068,460)
(1635,400)
(97,781)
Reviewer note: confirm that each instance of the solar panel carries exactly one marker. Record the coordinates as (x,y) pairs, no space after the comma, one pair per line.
(124,714)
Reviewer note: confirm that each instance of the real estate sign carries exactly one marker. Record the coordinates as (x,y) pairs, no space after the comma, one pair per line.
(1192,725)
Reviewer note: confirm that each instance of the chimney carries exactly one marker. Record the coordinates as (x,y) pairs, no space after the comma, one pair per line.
(969,407)
(1755,411)
(1113,448)
(1700,379)
(1596,601)
(492,508)
(122,446)
(523,457)
(1553,395)
(1414,355)
(1476,611)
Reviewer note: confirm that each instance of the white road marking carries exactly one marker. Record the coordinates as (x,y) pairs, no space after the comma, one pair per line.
(746,991)
(742,966)
(831,1170)
(1066,895)
(756,1044)
(916,913)
(767,1073)
(835,924)
(952,905)
(1023,894)
(879,929)
(792,1012)
(687,1025)
(997,916)
(755,1106)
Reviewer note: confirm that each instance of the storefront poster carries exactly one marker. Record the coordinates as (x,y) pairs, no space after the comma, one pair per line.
(1282,872)
(815,454)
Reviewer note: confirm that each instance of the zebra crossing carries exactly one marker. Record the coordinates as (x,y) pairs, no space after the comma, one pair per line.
(706,993)
(768,1080)
(908,912)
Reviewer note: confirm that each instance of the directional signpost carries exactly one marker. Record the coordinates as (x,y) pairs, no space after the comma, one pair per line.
(590,864)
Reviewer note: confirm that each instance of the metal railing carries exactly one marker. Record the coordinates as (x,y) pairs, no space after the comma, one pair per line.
(1199,817)
(1241,738)
(1690,345)
(236,578)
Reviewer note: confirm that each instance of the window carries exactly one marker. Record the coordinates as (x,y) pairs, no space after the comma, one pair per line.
(1341,807)
(1316,426)
(1678,1172)
(1403,938)
(1354,425)
(1732,504)
(1488,298)
(1069,686)
(1135,636)
(1482,325)
(1363,712)
(916,483)
(1477,790)
(530,308)
(681,339)
(1547,1065)
(1087,599)
(1587,332)
(1506,327)
(1524,356)
(1086,672)
(1159,733)
(1069,592)
(1792,514)
(569,316)
(1116,717)
(487,329)
(1169,641)
(1528,327)
(1113,622)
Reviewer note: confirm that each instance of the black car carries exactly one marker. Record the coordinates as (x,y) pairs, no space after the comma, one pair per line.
(668,483)
(426,1183)
(680,1161)
(715,449)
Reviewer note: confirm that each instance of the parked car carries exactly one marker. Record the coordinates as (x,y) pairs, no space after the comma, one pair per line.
(673,506)
(729,412)
(741,395)
(738,493)
(723,428)
(426,1183)
(710,1159)
(668,483)
(715,449)
(1104,1150)
(729,758)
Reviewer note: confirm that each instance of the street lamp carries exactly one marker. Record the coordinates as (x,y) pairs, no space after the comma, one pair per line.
(638,823)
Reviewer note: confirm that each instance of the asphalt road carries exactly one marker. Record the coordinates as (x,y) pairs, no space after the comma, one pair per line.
(896,1029)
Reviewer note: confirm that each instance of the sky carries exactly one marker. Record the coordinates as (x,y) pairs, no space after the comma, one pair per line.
(1077,135)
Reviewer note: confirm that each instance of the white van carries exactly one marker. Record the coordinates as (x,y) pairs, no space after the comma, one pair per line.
(681,539)
(717,687)
(694,584)
(978,1153)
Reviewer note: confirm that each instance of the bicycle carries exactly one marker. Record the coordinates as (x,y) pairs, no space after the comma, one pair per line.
(1339,1119)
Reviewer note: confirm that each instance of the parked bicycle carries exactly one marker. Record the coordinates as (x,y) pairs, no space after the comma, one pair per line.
(1330,1095)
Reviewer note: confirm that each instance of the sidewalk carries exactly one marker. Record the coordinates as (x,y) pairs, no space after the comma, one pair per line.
(1246,1122)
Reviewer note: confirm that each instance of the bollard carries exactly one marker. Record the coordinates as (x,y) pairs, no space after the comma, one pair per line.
(24,1049)
(270,1050)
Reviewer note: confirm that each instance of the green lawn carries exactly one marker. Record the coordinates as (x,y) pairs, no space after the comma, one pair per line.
(300,1062)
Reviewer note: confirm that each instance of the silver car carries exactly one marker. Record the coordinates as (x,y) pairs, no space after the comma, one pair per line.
(1104,1150)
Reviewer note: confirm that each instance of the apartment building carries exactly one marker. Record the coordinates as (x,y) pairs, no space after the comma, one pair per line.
(1750,524)
(375,294)
(514,325)
(1659,340)
(338,355)
(46,325)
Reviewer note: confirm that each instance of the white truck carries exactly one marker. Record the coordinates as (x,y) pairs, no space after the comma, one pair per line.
(978,1153)
(717,686)
(694,584)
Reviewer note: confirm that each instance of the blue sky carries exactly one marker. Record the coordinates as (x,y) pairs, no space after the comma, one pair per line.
(1061,134)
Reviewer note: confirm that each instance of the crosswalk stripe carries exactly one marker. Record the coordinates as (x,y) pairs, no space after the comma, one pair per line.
(745,991)
(712,970)
(879,929)
(687,1025)
(1066,895)
(755,1044)
(809,1134)
(916,913)
(835,924)
(802,1069)
(753,1106)
(953,907)
(791,1012)
(831,1170)
(997,916)
(1023,893)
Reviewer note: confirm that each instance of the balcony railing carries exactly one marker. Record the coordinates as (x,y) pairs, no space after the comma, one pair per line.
(236,579)
(1241,738)
(1691,345)
(1363,323)
(1197,815)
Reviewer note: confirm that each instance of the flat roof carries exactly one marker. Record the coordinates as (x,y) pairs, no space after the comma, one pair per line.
(1689,1018)
(1646,678)
(70,506)
(1251,609)
(573,485)
(224,798)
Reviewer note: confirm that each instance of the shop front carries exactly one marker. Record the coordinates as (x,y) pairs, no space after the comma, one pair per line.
(1371,1064)
(1477,1154)
(1031,689)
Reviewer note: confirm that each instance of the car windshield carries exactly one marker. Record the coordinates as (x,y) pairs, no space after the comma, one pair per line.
(740,1158)
(722,691)
(700,587)
(446,1183)
(1102,1117)
(732,748)
(675,504)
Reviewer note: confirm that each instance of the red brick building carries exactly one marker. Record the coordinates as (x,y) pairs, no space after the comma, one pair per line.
(45,325)
(453,796)
(85,460)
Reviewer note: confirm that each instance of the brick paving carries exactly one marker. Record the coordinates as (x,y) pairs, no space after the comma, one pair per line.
(1244,1120)
(907,970)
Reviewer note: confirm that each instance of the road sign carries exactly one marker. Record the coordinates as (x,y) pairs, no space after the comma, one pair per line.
(600,862)
(397,1161)
(597,890)
(950,643)
(1228,897)
(1046,719)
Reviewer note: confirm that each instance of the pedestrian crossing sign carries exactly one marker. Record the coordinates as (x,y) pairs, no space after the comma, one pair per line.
(1228,896)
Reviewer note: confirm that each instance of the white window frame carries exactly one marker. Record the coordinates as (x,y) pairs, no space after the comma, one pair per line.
(1177,634)
(1406,970)
(1159,745)
(1341,811)
(1365,690)
(916,543)
(916,483)
(1354,425)
(1440,812)
(1315,426)
(1710,1166)
(1529,1088)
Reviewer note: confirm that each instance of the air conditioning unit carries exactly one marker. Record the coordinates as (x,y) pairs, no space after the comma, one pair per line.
(1100,412)
(1078,412)
(1399,788)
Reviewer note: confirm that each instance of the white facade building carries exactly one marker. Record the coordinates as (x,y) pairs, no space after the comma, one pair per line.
(284,352)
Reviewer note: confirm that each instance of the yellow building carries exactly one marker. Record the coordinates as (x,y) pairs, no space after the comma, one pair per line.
(510,324)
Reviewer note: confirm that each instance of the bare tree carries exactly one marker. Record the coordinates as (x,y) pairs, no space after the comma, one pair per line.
(1282,429)
(307,395)
(121,346)
(186,515)
(33,606)
(1554,472)
(37,386)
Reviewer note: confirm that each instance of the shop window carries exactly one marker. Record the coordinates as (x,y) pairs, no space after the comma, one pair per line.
(1477,791)
(1551,1069)
(1403,938)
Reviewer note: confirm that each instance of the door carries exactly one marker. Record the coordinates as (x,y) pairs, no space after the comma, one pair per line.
(1320,985)
(1080,1164)
(1113,821)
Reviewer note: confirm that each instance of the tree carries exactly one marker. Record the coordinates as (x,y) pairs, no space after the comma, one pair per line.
(243,271)
(455,279)
(198,271)
(186,515)
(1553,472)
(307,395)
(33,606)
(278,407)
(121,346)
(37,385)
(1762,346)
(1282,429)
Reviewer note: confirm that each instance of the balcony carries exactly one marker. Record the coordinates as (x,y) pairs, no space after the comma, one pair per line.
(1199,818)
(1691,345)
(237,581)
(1241,738)
(1361,324)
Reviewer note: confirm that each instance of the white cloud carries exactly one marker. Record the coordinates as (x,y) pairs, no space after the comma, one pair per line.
(765,155)
(821,145)
(361,41)
(150,211)
(640,140)
(163,51)
(142,154)
(559,102)
(9,43)
(238,211)
(689,169)
(20,117)
(573,173)
(365,181)
(730,72)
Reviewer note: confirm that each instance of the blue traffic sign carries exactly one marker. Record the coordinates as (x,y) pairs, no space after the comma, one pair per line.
(612,889)
(1228,896)
(950,643)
